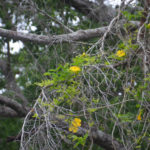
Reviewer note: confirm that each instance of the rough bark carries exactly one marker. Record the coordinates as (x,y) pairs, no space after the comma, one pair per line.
(13,104)
(105,140)
(79,35)
(8,112)
(53,39)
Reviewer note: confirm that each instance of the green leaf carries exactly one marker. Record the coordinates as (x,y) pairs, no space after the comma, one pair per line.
(35,115)
(45,83)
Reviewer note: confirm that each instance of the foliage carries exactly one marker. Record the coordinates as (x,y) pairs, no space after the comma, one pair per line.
(74,88)
(13,129)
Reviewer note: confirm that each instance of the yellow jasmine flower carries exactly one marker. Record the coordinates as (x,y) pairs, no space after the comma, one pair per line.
(75,69)
(139,116)
(74,125)
(73,129)
(76,122)
(120,53)
(84,54)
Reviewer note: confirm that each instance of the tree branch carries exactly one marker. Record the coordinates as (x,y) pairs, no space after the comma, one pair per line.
(55,39)
(13,104)
(105,140)
(96,11)
(8,112)
(79,35)
(99,137)
(3,65)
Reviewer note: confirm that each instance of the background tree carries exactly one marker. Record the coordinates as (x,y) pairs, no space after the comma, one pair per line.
(81,79)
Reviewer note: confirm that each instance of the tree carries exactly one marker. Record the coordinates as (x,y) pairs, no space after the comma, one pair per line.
(82,77)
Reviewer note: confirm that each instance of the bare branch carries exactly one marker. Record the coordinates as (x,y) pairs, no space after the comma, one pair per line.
(55,39)
(79,35)
(54,19)
(99,137)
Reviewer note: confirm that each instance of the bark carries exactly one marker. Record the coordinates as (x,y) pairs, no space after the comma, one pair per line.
(8,112)
(53,39)
(13,105)
(79,35)
(105,140)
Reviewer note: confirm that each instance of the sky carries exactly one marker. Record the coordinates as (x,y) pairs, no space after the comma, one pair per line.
(113,2)
(116,2)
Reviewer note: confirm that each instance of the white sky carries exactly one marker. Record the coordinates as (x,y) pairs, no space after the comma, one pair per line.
(16,46)
(113,2)
(116,2)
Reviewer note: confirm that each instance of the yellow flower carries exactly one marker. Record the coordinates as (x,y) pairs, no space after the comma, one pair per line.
(73,129)
(75,69)
(139,116)
(120,53)
(74,125)
(84,54)
(76,122)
